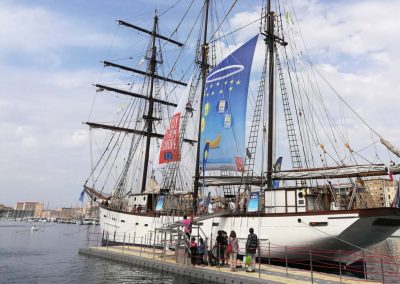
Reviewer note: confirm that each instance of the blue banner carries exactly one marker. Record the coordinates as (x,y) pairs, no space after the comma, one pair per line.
(253,202)
(205,157)
(160,203)
(223,121)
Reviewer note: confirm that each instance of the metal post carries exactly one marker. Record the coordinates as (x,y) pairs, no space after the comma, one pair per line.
(383,273)
(311,268)
(141,245)
(340,265)
(259,263)
(165,244)
(123,244)
(269,252)
(364,265)
(286,261)
(176,252)
(154,243)
(107,239)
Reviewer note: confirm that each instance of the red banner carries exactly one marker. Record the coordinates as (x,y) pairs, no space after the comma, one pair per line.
(169,150)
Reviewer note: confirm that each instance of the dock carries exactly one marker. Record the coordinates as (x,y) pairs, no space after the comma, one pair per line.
(172,262)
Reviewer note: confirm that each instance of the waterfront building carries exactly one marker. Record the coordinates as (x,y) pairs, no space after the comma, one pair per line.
(382,191)
(5,211)
(25,207)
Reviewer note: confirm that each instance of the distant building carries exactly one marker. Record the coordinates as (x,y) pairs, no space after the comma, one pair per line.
(5,211)
(46,214)
(29,209)
(382,191)
(369,193)
(91,210)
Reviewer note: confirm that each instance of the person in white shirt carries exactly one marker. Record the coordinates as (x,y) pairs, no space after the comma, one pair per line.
(210,208)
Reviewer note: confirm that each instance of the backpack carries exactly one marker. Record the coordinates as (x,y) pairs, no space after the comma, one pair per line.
(252,243)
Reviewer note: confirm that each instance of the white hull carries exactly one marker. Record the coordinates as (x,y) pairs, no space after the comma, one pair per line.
(291,230)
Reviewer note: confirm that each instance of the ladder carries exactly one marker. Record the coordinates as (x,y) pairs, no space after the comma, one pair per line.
(293,145)
(254,129)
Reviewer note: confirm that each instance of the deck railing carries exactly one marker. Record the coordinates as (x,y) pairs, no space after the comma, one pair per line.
(340,264)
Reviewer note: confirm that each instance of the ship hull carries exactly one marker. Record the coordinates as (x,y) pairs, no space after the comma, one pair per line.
(330,231)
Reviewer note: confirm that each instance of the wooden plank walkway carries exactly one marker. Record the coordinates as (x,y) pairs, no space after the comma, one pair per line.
(155,259)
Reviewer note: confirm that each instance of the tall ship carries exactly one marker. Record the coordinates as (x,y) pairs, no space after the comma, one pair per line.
(236,130)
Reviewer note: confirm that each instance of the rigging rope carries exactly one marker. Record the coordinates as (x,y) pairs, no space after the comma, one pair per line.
(238,29)
(223,20)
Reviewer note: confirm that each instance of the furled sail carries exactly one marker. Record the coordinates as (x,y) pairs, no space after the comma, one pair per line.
(152,187)
(307,174)
(224,105)
(390,147)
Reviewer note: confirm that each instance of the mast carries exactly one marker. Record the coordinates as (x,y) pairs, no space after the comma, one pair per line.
(270,41)
(204,71)
(149,118)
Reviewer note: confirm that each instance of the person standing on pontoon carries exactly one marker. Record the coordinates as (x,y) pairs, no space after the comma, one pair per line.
(251,249)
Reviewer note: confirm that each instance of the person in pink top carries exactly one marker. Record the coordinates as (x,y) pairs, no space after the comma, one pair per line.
(187,226)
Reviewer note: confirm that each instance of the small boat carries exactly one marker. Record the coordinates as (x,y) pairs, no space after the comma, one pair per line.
(35,228)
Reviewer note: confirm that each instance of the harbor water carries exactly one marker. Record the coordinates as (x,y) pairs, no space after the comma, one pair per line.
(50,255)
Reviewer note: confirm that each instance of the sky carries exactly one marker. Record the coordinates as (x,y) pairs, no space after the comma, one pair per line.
(50,53)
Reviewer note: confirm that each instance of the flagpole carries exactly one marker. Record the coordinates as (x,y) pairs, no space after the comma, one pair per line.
(204,71)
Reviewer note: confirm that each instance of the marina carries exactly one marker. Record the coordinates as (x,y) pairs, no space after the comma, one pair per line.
(225,142)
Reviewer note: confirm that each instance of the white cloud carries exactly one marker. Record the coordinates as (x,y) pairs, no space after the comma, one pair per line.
(29,142)
(36,28)
(77,139)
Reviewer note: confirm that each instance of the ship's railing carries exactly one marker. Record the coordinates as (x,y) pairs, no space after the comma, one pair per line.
(340,264)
